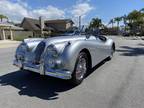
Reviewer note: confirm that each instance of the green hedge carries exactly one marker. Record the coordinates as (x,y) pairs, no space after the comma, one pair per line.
(20,38)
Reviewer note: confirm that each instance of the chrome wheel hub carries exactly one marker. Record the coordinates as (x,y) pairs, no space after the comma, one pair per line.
(81,68)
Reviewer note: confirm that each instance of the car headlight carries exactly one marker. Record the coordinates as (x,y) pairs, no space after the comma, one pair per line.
(51,63)
(22,48)
(20,52)
(51,56)
(52,51)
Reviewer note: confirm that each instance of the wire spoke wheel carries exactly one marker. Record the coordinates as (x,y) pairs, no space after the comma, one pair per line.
(81,68)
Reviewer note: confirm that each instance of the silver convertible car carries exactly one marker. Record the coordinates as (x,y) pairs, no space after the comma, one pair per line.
(67,57)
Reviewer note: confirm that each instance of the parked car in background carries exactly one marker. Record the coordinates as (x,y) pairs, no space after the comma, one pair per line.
(68,57)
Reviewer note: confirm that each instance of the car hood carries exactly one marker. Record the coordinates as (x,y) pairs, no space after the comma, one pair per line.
(63,39)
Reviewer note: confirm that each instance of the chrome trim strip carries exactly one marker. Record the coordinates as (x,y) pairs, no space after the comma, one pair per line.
(62,75)
(31,69)
(58,74)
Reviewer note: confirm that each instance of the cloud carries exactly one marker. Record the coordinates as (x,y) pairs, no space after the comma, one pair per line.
(83,1)
(17,10)
(24,4)
(48,12)
(81,9)
(14,11)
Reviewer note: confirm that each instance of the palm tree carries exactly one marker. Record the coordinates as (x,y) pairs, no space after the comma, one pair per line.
(142,10)
(118,20)
(124,18)
(142,13)
(112,22)
(95,23)
(135,21)
(95,26)
(3,17)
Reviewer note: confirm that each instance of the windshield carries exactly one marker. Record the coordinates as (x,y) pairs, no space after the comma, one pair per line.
(71,33)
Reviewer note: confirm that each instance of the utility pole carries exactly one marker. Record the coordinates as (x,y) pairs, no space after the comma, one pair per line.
(79,22)
(41,21)
(125,22)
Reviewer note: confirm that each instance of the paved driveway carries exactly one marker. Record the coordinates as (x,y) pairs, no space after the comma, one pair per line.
(8,43)
(118,83)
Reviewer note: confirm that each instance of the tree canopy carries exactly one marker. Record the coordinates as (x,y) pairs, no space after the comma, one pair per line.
(3,17)
(95,23)
(133,21)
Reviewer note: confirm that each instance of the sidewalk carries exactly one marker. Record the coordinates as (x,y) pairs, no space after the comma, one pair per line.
(127,37)
(8,43)
(135,38)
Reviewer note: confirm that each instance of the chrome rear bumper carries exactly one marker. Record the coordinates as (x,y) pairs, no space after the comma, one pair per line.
(58,73)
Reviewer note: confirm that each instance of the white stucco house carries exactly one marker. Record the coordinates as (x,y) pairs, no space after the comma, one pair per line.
(6,30)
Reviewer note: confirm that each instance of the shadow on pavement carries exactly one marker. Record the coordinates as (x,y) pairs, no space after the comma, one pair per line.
(32,84)
(140,44)
(131,51)
(96,67)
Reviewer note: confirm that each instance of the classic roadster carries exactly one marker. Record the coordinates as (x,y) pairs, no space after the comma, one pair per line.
(67,57)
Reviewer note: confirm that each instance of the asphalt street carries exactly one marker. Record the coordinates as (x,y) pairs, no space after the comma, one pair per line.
(118,83)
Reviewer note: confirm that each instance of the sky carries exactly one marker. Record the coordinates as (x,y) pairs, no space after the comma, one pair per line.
(16,10)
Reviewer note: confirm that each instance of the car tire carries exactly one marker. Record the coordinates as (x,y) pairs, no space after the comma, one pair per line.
(112,53)
(80,70)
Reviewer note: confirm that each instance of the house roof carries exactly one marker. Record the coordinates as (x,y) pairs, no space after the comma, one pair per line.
(34,23)
(7,25)
(60,21)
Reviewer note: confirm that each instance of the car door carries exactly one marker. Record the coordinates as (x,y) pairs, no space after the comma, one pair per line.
(96,49)
(102,41)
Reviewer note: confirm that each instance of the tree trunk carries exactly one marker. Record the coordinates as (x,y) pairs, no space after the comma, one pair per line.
(118,27)
(118,24)
(112,24)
